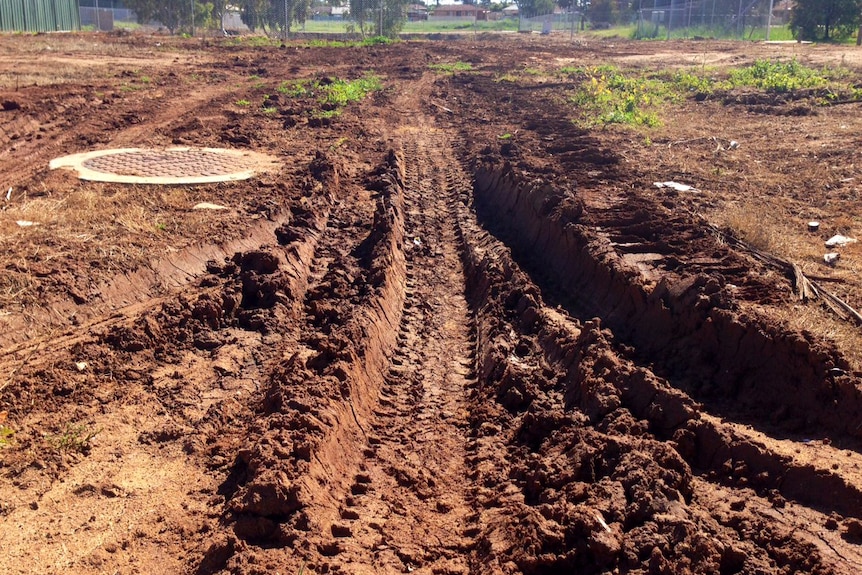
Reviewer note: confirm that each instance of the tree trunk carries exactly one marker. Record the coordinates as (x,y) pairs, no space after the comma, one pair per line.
(859,34)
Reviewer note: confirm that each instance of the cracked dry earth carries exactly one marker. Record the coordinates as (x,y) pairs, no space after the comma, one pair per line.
(417,346)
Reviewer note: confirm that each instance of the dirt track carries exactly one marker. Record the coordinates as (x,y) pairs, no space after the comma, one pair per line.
(421,346)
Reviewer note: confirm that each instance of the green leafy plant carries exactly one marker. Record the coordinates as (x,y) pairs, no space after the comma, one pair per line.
(607,96)
(331,94)
(690,82)
(451,67)
(74,438)
(6,432)
(571,71)
(378,40)
(294,89)
(777,76)
(243,103)
(326,114)
(338,143)
(255,41)
(343,92)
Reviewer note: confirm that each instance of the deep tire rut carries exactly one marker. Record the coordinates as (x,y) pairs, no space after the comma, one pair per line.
(409,507)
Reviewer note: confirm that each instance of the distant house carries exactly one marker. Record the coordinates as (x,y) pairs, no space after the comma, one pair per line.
(417,13)
(452,11)
(321,13)
(510,11)
(329,12)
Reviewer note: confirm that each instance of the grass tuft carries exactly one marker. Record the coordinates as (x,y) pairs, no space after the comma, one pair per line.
(74,438)
(451,67)
(6,432)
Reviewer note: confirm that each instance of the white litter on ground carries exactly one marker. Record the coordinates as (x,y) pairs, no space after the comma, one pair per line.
(839,240)
(676,186)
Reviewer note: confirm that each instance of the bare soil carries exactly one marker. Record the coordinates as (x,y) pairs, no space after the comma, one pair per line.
(453,333)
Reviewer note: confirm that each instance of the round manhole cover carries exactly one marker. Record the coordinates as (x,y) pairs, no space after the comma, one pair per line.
(166,166)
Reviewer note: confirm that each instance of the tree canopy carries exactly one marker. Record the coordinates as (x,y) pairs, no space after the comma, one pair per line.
(379,17)
(269,15)
(825,19)
(531,8)
(172,14)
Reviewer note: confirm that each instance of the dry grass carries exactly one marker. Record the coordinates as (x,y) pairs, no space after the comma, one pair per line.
(750,224)
(112,228)
(71,58)
(766,228)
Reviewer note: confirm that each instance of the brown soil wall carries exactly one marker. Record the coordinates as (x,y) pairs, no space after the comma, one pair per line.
(688,325)
(600,452)
(311,431)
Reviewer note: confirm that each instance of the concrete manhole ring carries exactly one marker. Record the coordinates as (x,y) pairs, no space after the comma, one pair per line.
(166,166)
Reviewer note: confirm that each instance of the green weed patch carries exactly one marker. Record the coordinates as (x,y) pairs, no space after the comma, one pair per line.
(451,67)
(331,95)
(607,96)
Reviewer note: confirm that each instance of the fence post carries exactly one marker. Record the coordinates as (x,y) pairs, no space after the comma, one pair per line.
(670,19)
(769,20)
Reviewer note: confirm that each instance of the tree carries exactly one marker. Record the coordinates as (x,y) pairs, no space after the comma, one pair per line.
(269,15)
(603,11)
(173,14)
(380,17)
(825,19)
(532,8)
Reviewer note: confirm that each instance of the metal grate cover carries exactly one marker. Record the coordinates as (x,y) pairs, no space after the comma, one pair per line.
(166,166)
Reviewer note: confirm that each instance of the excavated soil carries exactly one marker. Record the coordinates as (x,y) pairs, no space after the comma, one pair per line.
(451,333)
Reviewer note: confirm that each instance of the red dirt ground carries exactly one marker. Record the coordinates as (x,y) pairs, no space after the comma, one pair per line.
(419,346)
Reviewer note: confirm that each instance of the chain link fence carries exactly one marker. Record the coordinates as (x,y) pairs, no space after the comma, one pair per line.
(703,18)
(677,19)
(556,22)
(106,19)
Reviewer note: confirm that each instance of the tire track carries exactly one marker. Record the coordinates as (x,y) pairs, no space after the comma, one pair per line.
(409,507)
